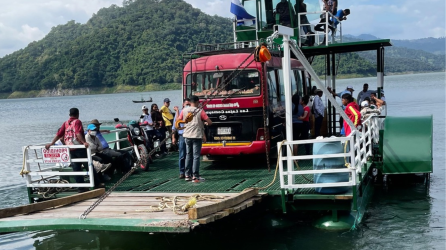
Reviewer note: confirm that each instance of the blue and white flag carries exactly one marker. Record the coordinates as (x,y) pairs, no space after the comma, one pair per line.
(243,18)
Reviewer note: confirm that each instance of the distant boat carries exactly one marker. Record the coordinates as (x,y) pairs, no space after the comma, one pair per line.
(142,100)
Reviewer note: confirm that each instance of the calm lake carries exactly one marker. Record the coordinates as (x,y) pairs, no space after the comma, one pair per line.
(409,217)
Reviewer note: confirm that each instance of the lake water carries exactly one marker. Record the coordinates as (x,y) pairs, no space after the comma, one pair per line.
(410,217)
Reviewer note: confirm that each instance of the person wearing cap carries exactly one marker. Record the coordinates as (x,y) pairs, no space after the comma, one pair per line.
(367,109)
(181,142)
(194,136)
(167,115)
(121,159)
(101,162)
(365,92)
(72,133)
(318,109)
(147,124)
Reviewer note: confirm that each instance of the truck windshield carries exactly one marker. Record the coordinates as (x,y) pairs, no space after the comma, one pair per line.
(203,84)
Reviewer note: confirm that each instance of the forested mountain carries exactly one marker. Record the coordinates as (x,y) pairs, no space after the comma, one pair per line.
(137,44)
(142,43)
(398,59)
(430,44)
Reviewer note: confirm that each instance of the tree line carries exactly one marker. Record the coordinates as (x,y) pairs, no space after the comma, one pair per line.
(143,43)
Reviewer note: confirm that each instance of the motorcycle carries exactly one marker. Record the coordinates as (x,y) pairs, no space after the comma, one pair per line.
(137,139)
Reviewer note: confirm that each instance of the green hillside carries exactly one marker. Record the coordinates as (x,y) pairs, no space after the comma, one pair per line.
(138,44)
(139,47)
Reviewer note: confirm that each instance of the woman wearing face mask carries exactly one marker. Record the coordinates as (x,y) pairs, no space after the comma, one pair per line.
(95,145)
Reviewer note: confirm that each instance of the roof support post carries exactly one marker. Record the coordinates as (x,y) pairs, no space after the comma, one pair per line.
(286,33)
(333,86)
(328,80)
(380,69)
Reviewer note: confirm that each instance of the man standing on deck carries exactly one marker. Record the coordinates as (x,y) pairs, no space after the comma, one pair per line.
(167,115)
(194,136)
(364,93)
(181,142)
(72,133)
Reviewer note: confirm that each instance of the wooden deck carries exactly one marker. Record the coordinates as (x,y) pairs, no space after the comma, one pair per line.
(125,211)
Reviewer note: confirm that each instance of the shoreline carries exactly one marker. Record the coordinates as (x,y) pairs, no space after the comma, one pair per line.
(57,92)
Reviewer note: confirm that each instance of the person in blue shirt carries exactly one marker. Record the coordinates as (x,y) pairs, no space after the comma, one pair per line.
(122,159)
(181,142)
(340,15)
(333,22)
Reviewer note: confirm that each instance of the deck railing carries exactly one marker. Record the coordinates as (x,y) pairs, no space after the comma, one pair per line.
(358,147)
(317,34)
(39,174)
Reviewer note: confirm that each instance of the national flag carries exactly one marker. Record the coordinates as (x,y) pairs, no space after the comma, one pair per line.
(243,18)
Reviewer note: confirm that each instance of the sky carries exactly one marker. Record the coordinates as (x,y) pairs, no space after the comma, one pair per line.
(25,21)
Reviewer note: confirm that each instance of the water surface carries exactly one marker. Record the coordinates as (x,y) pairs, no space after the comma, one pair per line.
(408,217)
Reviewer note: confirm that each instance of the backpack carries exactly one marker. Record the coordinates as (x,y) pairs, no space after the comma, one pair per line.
(70,134)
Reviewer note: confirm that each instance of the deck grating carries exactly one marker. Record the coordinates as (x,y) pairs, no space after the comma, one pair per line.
(225,176)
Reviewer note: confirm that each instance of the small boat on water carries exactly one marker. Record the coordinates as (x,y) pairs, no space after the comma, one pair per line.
(142,100)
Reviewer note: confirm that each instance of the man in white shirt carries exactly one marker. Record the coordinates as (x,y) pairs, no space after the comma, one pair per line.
(364,93)
(147,124)
(318,111)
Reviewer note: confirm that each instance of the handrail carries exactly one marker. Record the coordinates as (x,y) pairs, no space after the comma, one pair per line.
(46,173)
(32,172)
(316,34)
(357,151)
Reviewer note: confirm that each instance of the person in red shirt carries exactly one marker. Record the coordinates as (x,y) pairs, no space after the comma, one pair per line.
(306,122)
(72,133)
(352,111)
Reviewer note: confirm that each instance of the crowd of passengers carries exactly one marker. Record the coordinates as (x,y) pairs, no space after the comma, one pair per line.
(156,124)
(358,110)
(284,8)
(189,139)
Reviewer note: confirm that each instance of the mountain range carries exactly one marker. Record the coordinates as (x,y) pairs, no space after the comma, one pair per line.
(143,44)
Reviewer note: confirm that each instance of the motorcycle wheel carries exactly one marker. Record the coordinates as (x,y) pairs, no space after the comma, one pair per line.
(144,154)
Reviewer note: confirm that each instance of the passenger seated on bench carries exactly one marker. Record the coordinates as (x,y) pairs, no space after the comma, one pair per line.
(283,9)
(101,162)
(121,159)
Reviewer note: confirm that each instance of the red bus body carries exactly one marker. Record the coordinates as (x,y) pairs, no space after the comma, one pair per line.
(238,124)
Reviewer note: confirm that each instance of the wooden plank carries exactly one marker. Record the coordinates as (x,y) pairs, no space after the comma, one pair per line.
(7,212)
(200,212)
(145,194)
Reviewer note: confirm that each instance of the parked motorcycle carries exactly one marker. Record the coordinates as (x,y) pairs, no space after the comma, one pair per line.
(137,140)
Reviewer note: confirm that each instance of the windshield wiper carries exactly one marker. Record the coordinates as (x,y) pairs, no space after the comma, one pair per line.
(233,93)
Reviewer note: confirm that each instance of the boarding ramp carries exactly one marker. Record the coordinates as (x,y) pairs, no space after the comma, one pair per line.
(407,145)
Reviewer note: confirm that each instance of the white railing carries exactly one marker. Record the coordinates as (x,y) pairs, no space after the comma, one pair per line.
(318,33)
(34,166)
(38,173)
(118,140)
(358,147)
(290,173)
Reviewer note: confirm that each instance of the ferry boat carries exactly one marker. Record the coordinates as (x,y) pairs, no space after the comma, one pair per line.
(252,117)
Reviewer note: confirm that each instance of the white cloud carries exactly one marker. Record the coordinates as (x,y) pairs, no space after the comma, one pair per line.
(24,21)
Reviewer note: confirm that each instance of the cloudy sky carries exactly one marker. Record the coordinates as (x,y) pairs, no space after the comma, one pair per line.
(24,21)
